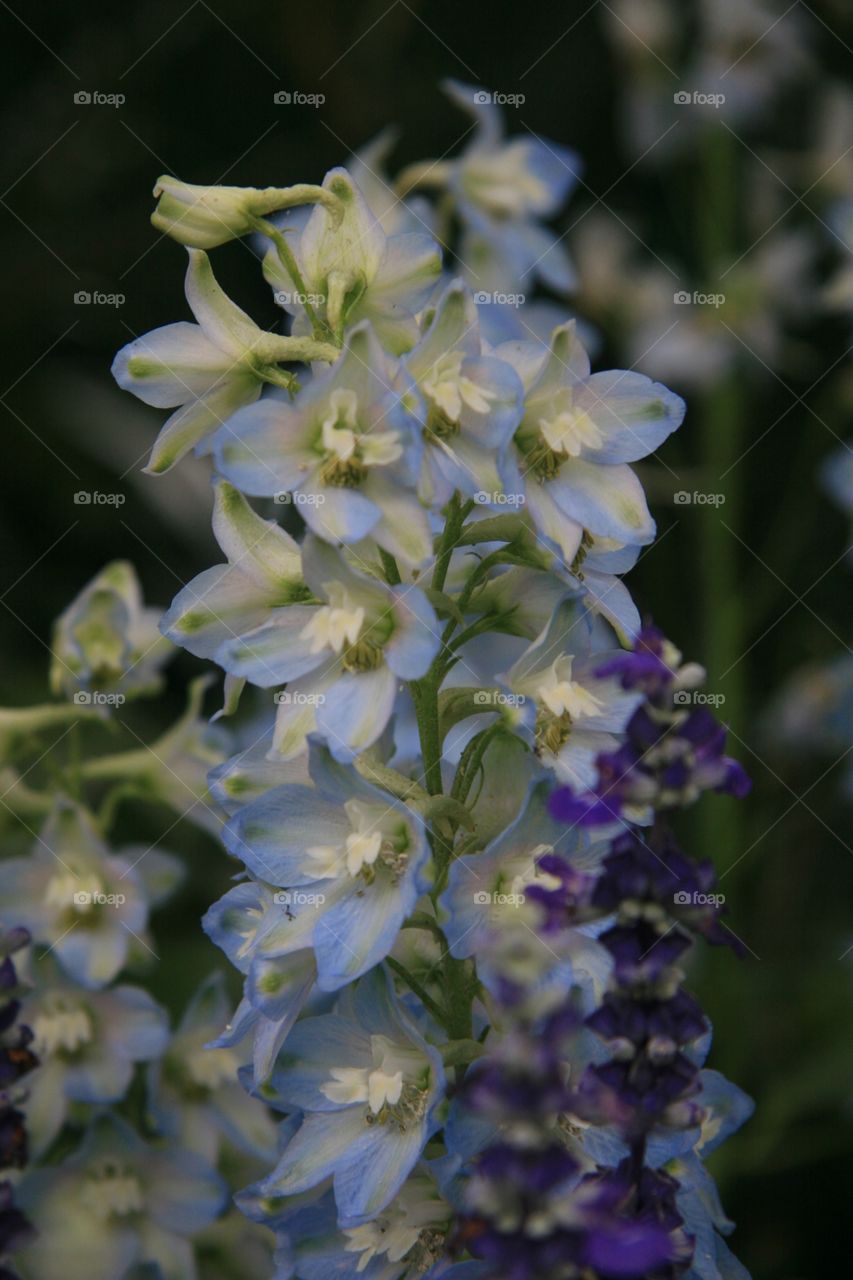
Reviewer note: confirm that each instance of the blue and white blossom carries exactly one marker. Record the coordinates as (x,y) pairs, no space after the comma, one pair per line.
(350,271)
(571,712)
(349,862)
(107,643)
(195,1095)
(577,436)
(503,189)
(367,1085)
(118,1203)
(87,1044)
(205,371)
(406,1239)
(346,450)
(342,657)
(470,403)
(88,906)
(263,572)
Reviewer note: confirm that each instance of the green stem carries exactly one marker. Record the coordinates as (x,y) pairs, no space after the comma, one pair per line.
(419,990)
(456,513)
(425,697)
(124,764)
(291,266)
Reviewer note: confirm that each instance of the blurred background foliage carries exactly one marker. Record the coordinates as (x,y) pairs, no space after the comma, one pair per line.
(756,587)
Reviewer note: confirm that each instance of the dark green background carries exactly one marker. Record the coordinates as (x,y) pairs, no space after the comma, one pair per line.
(199,83)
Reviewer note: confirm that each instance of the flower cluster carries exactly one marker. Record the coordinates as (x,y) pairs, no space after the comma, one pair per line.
(595,1169)
(432,638)
(673,747)
(124,1124)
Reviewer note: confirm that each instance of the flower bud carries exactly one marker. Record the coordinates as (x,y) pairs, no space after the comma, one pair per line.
(205,217)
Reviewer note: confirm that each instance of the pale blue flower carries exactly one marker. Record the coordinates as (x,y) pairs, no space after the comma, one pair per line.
(401,1242)
(470,406)
(368,1086)
(570,714)
(263,572)
(117,1203)
(89,907)
(205,371)
(485,903)
(353,271)
(251,928)
(106,642)
(503,188)
(195,1095)
(578,434)
(349,862)
(87,1043)
(346,448)
(342,658)
(251,773)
